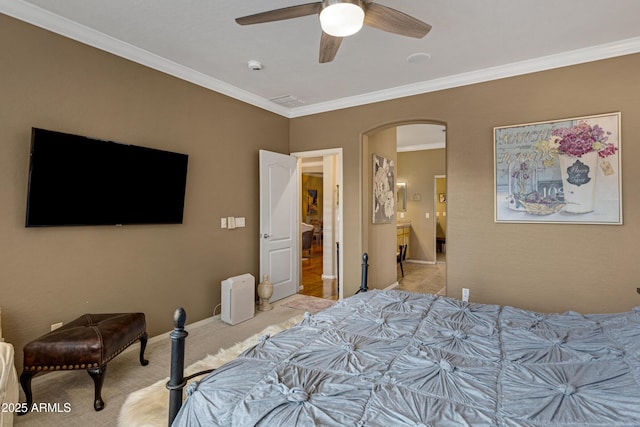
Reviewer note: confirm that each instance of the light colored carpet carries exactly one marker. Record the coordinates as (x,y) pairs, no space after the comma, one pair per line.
(308,303)
(148,407)
(125,375)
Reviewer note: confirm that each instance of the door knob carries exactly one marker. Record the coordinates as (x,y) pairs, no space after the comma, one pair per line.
(265,235)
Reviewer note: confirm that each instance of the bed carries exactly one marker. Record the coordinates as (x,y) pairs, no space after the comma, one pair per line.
(395,358)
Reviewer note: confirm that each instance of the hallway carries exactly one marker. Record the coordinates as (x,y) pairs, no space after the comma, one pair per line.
(312,282)
(424,278)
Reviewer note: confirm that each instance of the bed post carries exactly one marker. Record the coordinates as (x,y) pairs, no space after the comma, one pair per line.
(176,381)
(365,274)
(338,269)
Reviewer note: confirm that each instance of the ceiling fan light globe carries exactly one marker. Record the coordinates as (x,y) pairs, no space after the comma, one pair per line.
(341,19)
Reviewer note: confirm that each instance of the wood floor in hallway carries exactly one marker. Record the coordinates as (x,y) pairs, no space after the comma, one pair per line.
(312,282)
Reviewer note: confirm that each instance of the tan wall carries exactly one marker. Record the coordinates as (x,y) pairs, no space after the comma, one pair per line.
(49,275)
(417,169)
(380,237)
(548,267)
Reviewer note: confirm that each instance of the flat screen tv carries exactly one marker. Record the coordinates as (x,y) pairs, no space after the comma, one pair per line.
(75,180)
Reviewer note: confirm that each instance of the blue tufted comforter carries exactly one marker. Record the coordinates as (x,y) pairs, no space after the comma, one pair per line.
(393,358)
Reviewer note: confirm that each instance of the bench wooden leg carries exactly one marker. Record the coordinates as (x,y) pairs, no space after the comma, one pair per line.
(25,382)
(98,378)
(143,346)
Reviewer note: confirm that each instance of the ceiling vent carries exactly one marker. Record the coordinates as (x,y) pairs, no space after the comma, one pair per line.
(288,101)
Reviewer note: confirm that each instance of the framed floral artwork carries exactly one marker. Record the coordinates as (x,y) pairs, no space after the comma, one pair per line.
(384,207)
(562,171)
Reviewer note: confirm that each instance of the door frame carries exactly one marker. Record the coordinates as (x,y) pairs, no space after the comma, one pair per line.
(435,219)
(339,214)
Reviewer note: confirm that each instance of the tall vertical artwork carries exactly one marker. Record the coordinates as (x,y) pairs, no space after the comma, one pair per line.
(561,171)
(312,202)
(384,207)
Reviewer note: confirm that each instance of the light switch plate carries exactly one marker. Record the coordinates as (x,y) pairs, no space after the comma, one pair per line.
(231,223)
(240,221)
(223,222)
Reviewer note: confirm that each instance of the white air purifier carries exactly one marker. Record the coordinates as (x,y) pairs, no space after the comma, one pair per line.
(238,299)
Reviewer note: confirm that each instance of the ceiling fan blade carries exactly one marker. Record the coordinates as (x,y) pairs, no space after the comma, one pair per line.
(393,21)
(329,46)
(280,14)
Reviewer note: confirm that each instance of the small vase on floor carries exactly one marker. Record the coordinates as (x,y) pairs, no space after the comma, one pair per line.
(265,291)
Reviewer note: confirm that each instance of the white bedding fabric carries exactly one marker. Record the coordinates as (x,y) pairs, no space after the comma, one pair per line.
(8,383)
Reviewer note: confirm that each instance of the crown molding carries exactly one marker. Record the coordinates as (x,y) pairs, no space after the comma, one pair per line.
(420,147)
(564,59)
(39,17)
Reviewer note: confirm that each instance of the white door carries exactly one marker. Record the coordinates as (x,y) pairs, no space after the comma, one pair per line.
(279,224)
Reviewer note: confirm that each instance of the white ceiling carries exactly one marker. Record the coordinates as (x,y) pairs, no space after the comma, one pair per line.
(420,137)
(471,41)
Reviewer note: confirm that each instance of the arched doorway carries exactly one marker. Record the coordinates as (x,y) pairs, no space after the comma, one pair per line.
(417,150)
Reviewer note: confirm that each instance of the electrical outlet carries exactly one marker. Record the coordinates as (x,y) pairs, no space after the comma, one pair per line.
(55,326)
(465,294)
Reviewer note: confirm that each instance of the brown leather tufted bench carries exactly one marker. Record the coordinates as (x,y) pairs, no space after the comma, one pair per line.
(88,342)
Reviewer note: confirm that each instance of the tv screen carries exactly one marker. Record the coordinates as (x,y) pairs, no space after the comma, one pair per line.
(74,180)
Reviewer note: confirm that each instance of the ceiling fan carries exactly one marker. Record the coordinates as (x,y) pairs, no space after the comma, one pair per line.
(342,18)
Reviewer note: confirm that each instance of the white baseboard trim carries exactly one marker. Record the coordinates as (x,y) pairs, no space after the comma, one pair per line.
(328,276)
(165,335)
(419,261)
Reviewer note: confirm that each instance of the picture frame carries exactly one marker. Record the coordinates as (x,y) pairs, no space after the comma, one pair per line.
(384,207)
(312,202)
(566,171)
(442,197)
